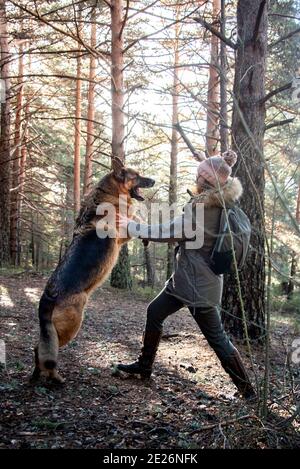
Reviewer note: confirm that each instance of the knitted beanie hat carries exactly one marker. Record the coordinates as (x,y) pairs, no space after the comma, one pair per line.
(217,169)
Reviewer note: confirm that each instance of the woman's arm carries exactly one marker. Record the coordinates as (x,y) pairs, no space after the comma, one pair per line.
(170,232)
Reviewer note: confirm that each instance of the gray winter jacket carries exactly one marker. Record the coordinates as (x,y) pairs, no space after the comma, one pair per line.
(193,282)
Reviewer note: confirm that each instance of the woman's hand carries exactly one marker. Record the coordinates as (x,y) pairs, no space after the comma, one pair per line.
(122,222)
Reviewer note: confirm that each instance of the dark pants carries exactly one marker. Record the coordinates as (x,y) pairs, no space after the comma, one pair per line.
(208,319)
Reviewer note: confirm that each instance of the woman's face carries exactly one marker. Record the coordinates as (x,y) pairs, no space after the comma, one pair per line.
(200,181)
(203,184)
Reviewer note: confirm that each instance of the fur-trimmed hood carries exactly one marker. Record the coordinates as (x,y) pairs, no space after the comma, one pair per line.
(228,194)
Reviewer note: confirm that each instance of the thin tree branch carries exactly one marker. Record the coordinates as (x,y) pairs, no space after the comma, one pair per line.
(125,18)
(198,155)
(258,20)
(285,16)
(62,8)
(223,424)
(38,17)
(217,33)
(107,3)
(142,10)
(276,91)
(101,164)
(283,38)
(159,30)
(278,123)
(63,77)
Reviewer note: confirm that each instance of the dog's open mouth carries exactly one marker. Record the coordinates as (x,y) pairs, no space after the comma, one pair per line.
(136,193)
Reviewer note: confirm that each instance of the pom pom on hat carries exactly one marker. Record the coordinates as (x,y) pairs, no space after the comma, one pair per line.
(230,157)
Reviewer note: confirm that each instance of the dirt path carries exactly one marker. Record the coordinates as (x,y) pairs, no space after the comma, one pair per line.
(94,409)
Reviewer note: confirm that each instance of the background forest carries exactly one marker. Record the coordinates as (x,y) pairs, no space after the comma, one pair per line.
(155,82)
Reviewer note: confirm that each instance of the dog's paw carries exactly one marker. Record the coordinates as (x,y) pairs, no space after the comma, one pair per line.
(57,379)
(35,377)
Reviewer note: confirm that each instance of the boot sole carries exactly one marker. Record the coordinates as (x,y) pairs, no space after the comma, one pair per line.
(144,375)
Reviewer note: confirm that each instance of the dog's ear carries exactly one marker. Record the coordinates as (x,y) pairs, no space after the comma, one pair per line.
(117,166)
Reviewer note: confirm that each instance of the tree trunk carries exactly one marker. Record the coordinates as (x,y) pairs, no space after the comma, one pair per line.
(294,262)
(15,191)
(249,89)
(174,143)
(298,204)
(22,173)
(120,276)
(213,93)
(77,139)
(91,110)
(117,86)
(32,240)
(69,219)
(149,266)
(223,85)
(293,271)
(4,142)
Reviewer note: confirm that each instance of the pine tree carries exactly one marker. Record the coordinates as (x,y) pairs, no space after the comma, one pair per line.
(5,163)
(249,93)
(120,276)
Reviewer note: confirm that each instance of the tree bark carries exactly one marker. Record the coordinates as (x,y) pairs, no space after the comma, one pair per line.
(77,138)
(120,276)
(15,191)
(4,142)
(149,266)
(117,79)
(293,271)
(174,143)
(294,261)
(68,219)
(22,180)
(213,93)
(298,204)
(223,85)
(249,89)
(91,110)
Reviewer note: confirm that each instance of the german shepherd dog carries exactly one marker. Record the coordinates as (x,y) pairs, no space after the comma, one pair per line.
(86,264)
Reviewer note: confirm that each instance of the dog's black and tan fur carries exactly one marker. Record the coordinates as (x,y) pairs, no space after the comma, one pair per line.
(85,265)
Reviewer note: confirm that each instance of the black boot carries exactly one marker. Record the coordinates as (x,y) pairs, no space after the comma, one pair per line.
(143,366)
(237,372)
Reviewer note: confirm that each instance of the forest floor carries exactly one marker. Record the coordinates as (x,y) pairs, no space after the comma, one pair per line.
(189,403)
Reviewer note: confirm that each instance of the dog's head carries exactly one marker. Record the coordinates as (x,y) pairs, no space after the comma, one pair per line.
(129,179)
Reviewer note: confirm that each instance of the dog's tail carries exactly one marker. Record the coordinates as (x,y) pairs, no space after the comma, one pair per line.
(49,343)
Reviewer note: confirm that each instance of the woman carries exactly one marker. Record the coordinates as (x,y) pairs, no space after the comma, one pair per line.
(193,284)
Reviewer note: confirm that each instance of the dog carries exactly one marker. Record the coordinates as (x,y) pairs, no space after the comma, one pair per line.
(86,264)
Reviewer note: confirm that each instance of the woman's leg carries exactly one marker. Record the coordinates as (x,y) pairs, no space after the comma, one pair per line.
(209,321)
(158,310)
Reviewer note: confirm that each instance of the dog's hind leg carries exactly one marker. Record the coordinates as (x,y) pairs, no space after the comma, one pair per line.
(67,318)
(47,351)
(59,324)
